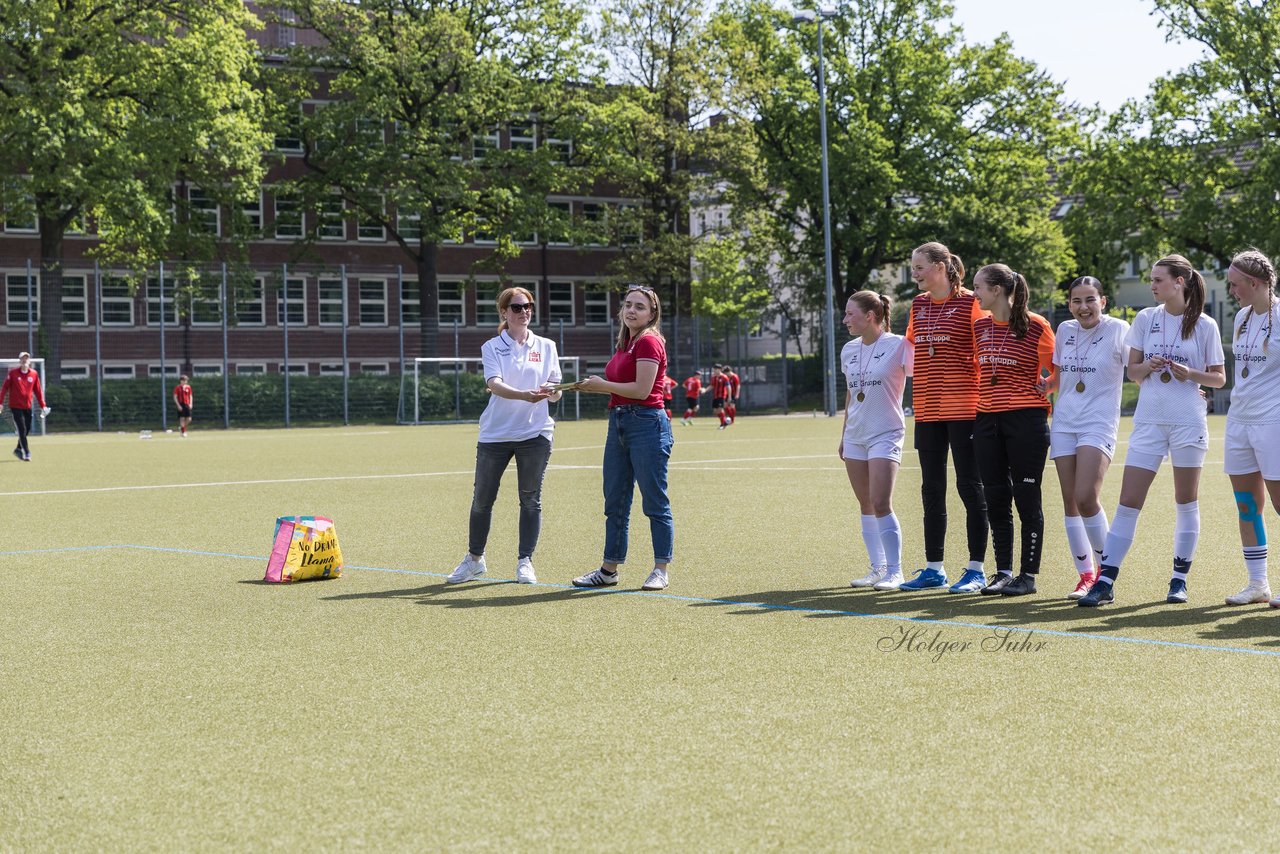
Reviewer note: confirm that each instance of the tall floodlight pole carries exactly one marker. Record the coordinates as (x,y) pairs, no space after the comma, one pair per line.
(828,309)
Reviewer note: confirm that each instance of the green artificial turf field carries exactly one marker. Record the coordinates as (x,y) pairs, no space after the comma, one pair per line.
(155,695)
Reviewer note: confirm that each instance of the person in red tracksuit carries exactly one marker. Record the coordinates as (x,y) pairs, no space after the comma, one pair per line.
(20,386)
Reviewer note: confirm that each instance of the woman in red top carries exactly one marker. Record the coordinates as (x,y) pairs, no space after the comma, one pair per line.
(639,442)
(1011,431)
(19,388)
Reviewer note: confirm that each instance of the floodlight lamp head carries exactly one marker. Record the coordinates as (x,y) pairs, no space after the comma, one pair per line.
(808,16)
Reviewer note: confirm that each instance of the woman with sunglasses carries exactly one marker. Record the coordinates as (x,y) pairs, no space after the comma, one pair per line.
(639,441)
(520,370)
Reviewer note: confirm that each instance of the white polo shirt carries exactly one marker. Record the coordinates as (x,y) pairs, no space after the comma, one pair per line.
(521,366)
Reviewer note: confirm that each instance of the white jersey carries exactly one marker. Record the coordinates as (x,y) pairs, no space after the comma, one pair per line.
(1155,332)
(1091,366)
(879,373)
(1255,345)
(524,367)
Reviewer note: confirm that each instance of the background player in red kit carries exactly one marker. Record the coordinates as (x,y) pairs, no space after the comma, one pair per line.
(720,387)
(668,391)
(731,403)
(692,391)
(20,386)
(183,398)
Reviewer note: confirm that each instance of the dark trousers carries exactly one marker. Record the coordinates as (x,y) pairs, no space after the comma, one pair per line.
(22,421)
(933,439)
(531,464)
(1012,448)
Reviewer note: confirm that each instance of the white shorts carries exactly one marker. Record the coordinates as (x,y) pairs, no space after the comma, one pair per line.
(1063,443)
(1185,445)
(886,446)
(1251,448)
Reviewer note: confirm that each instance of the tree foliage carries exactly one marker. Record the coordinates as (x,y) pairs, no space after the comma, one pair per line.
(930,138)
(1193,167)
(104,106)
(414,91)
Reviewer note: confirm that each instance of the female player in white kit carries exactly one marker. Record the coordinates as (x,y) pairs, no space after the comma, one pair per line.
(1251,450)
(1090,354)
(876,364)
(1174,348)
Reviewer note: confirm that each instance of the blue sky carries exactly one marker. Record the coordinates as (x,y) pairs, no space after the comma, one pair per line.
(1103,51)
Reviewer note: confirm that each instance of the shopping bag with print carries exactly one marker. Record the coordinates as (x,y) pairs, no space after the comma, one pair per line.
(305,547)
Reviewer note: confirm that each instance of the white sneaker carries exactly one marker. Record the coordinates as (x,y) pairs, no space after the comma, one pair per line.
(467,570)
(1251,595)
(892,581)
(524,571)
(872,578)
(657,580)
(596,578)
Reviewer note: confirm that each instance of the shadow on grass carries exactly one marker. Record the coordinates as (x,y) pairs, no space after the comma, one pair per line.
(1037,610)
(458,595)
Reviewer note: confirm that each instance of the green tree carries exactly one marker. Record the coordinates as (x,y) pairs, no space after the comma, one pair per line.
(104,106)
(930,138)
(1194,166)
(415,94)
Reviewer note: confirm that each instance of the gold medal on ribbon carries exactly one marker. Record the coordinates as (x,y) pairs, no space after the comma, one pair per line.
(1080,386)
(1166,378)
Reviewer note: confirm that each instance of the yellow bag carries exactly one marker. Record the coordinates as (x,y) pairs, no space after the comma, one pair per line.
(305,547)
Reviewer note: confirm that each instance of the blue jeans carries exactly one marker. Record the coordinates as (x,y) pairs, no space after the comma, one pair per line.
(636,453)
(491,461)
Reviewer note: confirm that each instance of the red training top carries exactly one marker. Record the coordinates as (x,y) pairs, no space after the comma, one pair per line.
(20,388)
(735,383)
(720,386)
(667,385)
(693,386)
(622,369)
(183,394)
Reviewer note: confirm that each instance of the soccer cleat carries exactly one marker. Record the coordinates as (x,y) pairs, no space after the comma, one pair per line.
(17,452)
(997,584)
(657,580)
(1275,603)
(970,582)
(596,578)
(1099,594)
(872,578)
(1024,584)
(467,570)
(1177,592)
(26,456)
(925,579)
(893,581)
(524,571)
(1251,595)
(1083,585)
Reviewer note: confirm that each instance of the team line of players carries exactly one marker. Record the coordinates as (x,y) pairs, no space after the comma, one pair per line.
(982,369)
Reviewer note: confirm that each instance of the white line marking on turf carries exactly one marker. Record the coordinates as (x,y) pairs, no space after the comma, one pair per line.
(766,606)
(144,487)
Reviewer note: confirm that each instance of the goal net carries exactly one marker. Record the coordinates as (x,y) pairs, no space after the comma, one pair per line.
(7,427)
(452,391)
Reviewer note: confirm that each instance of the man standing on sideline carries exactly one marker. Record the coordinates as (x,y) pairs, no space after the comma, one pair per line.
(20,386)
(183,398)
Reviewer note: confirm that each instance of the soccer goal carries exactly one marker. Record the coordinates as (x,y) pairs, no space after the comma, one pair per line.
(7,427)
(452,391)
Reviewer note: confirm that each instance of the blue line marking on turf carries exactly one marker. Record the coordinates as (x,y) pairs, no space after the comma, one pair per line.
(766,606)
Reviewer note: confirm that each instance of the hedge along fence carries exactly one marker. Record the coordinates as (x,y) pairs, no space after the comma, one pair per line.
(258,400)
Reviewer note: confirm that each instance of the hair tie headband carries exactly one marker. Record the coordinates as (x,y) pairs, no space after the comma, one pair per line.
(1248,275)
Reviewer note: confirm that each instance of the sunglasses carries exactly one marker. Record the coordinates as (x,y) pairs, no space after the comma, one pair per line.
(521,306)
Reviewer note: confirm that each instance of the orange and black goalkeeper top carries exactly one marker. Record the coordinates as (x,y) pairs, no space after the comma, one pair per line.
(944,384)
(1010,367)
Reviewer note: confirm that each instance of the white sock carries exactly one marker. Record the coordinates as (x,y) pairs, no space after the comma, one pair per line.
(1186,536)
(934,564)
(1255,561)
(891,541)
(1119,540)
(1096,529)
(1078,542)
(976,566)
(871,539)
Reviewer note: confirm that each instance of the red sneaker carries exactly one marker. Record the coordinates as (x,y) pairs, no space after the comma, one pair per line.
(1082,586)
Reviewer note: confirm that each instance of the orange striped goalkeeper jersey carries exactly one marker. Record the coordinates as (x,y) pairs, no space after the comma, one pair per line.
(944,384)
